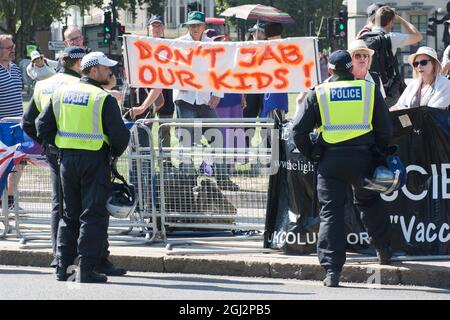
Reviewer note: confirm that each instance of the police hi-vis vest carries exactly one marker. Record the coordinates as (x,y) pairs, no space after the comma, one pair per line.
(45,88)
(346,109)
(78,114)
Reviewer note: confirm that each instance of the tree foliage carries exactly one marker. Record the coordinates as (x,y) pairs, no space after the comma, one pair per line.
(302,11)
(23,17)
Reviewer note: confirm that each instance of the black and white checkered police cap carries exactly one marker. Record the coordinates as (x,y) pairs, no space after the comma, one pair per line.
(74,52)
(96,58)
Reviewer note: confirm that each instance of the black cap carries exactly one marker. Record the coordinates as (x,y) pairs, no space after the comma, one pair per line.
(340,60)
(155,18)
(213,34)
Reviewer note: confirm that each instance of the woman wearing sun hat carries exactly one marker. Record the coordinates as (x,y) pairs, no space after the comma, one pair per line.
(428,88)
(362,59)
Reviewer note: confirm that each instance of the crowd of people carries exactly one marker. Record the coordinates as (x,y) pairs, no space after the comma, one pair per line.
(75,148)
(349,111)
(372,63)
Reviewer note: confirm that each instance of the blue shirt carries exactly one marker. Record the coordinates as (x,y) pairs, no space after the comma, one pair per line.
(274,101)
(10,92)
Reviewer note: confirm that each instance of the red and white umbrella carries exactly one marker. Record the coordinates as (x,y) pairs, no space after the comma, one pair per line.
(258,12)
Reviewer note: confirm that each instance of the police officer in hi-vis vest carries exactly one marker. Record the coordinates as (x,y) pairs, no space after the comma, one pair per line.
(354,131)
(69,74)
(85,123)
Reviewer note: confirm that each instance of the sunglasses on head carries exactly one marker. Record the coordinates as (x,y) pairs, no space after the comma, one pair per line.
(361,55)
(421,62)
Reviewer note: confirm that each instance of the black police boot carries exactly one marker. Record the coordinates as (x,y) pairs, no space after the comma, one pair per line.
(106,267)
(332,278)
(384,255)
(62,274)
(91,277)
(87,274)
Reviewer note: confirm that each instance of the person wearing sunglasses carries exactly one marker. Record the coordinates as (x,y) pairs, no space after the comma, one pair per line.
(362,60)
(428,87)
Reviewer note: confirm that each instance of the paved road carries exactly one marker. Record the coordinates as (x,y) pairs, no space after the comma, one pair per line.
(39,283)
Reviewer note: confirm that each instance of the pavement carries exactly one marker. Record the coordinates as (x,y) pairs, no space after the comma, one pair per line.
(242,257)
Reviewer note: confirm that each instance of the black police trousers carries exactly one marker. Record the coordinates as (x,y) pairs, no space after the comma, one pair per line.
(340,168)
(86,184)
(51,154)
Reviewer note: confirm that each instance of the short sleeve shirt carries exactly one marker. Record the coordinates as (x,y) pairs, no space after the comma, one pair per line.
(398,40)
(10,92)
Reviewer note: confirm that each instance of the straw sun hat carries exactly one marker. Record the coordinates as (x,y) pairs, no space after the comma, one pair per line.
(359,45)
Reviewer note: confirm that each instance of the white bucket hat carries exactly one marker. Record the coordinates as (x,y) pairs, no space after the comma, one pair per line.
(359,45)
(425,50)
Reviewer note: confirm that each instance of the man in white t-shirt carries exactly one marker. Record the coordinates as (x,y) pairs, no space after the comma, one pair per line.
(385,18)
(195,104)
(385,44)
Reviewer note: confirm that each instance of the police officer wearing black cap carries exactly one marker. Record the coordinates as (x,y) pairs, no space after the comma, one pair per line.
(354,131)
(85,123)
(69,74)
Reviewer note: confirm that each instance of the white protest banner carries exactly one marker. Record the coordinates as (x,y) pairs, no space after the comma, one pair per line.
(284,65)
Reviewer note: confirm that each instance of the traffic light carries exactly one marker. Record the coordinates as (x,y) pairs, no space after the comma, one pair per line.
(432,27)
(107,28)
(330,28)
(341,25)
(121,29)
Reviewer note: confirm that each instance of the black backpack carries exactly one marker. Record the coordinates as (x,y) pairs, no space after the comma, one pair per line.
(383,60)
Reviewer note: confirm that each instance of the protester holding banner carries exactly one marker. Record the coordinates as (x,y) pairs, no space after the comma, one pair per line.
(230,106)
(276,105)
(254,102)
(155,26)
(428,88)
(192,104)
(345,152)
(145,103)
(147,98)
(195,104)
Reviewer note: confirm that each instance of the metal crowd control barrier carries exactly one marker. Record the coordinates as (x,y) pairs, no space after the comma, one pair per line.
(172,195)
(30,216)
(231,196)
(4,218)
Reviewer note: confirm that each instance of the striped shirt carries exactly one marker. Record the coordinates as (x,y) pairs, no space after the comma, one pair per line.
(10,92)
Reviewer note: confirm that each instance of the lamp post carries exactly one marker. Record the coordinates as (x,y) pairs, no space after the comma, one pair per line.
(435,30)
